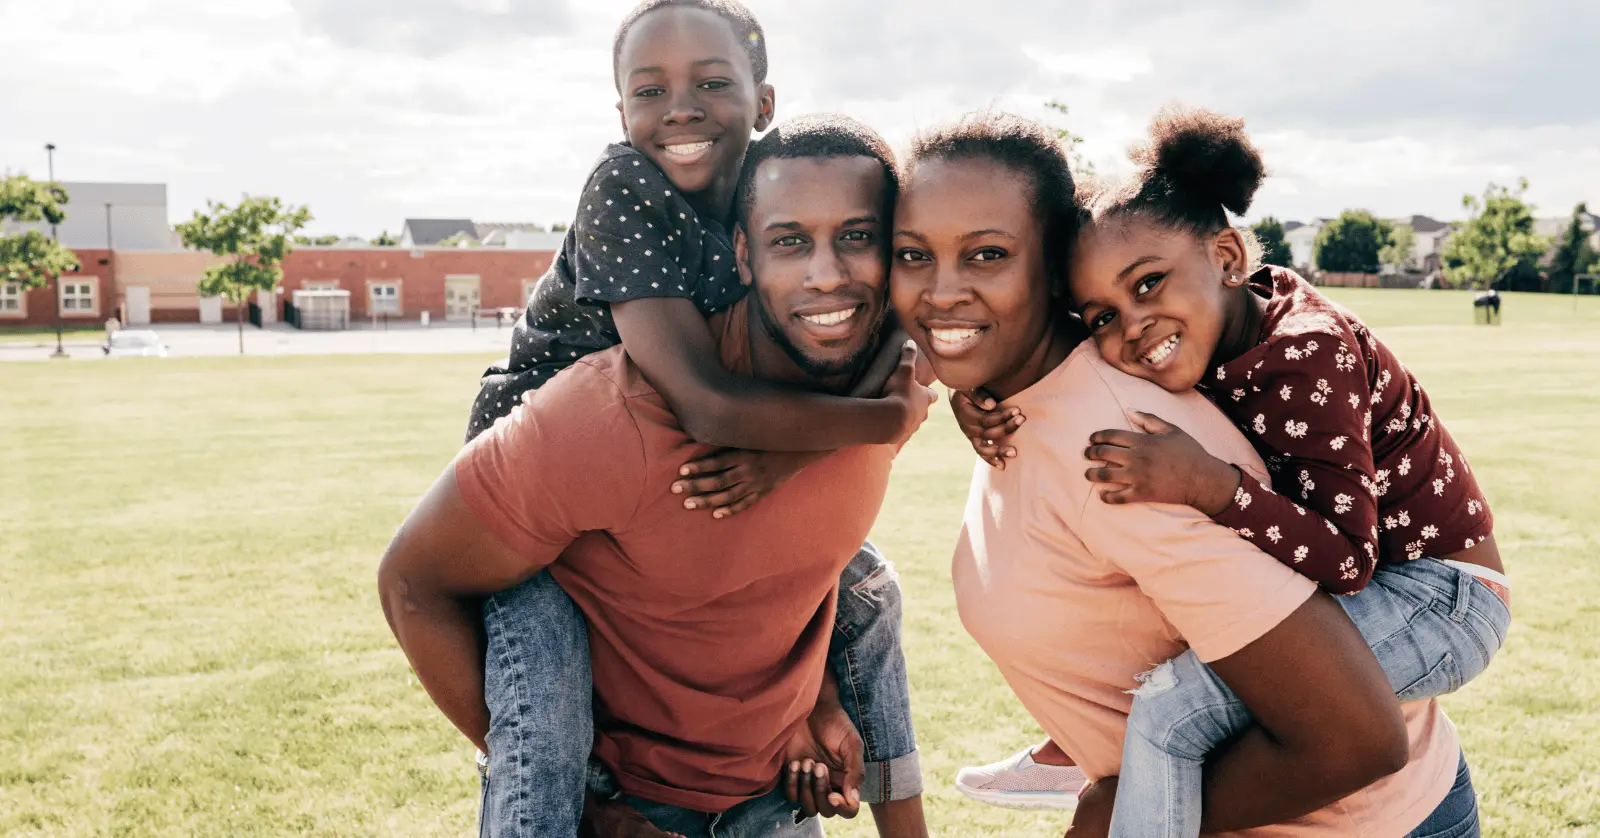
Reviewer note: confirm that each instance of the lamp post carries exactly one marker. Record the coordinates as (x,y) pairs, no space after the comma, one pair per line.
(55,281)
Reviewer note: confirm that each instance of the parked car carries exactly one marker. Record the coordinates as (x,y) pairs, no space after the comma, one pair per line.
(135,343)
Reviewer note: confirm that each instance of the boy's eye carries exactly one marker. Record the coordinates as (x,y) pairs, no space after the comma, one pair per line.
(988,254)
(716,84)
(647,92)
(1148,284)
(911,255)
(1101,320)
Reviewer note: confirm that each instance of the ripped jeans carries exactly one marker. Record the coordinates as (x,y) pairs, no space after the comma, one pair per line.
(541,723)
(1432,627)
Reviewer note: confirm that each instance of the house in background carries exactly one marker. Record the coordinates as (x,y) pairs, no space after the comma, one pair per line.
(422,232)
(1555,229)
(1302,241)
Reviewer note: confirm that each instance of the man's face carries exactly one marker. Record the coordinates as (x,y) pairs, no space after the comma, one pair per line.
(814,250)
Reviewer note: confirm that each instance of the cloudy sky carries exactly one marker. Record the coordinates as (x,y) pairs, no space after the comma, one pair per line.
(370,111)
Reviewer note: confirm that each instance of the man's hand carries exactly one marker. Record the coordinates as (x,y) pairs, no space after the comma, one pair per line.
(910,395)
(1161,465)
(986,425)
(615,819)
(1093,818)
(822,769)
(730,481)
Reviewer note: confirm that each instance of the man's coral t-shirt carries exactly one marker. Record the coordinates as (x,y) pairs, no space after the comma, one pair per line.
(707,637)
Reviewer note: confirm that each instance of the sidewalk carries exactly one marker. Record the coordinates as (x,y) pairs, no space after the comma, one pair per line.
(187,340)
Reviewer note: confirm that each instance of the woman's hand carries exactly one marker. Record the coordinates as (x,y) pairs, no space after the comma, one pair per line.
(987,426)
(1161,465)
(730,481)
(1095,803)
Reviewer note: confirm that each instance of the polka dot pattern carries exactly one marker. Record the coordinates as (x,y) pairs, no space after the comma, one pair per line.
(633,237)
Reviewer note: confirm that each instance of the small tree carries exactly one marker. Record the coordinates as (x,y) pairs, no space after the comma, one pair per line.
(1274,249)
(1401,251)
(385,240)
(31,258)
(1497,244)
(1081,167)
(461,239)
(1574,256)
(256,235)
(1351,242)
(559,227)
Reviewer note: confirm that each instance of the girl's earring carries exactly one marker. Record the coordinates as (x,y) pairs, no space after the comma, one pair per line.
(1233,279)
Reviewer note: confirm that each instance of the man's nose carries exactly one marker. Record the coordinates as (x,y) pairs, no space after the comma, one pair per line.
(827,272)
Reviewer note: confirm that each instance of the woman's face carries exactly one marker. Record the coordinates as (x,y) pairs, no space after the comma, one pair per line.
(968,277)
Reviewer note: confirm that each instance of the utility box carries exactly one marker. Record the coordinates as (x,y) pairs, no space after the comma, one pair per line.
(322,310)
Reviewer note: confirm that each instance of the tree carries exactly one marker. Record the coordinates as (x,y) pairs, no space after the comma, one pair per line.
(1274,250)
(319,241)
(255,236)
(1081,167)
(1497,245)
(461,239)
(385,240)
(1401,251)
(1351,243)
(31,258)
(559,227)
(1574,256)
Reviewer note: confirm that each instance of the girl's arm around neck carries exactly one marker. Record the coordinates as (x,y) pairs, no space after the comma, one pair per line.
(668,339)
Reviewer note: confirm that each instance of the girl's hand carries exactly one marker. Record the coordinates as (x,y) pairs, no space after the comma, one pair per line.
(987,426)
(731,480)
(1093,817)
(1161,465)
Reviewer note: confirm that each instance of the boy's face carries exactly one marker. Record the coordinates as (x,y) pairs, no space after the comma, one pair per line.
(689,98)
(814,251)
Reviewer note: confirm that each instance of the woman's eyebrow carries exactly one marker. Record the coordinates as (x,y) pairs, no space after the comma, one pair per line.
(910,234)
(978,234)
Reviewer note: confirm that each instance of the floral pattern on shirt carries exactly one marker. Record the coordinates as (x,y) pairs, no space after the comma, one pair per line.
(1362,470)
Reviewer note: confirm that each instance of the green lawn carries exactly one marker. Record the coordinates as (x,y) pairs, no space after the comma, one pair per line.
(46,335)
(192,644)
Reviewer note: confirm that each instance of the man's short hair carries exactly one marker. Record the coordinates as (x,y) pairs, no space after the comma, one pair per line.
(745,27)
(816,136)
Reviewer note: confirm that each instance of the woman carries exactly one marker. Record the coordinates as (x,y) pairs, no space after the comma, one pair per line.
(1076,600)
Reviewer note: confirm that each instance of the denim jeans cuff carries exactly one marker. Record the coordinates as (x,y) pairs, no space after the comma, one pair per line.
(599,780)
(896,779)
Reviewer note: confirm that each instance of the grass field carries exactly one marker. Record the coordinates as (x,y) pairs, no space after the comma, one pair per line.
(192,644)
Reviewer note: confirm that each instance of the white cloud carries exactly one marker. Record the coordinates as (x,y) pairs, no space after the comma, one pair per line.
(369,111)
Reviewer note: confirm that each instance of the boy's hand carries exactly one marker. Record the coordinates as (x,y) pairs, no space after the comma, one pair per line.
(987,426)
(1161,465)
(730,481)
(912,396)
(822,770)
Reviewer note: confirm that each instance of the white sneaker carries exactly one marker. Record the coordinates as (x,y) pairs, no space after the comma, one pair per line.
(1018,782)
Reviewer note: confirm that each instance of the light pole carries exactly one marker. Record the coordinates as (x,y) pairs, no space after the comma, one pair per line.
(55,281)
(111,265)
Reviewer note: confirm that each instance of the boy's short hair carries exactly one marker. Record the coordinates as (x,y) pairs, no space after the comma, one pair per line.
(744,24)
(816,136)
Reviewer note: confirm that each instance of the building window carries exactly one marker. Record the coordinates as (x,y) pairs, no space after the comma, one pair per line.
(384,298)
(12,300)
(78,297)
(529,288)
(319,284)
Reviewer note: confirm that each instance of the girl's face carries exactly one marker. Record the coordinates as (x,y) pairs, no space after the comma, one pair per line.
(968,275)
(689,97)
(1155,300)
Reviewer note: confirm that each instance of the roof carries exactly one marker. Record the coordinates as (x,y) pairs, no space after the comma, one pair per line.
(426,231)
(484,228)
(1424,224)
(1292,225)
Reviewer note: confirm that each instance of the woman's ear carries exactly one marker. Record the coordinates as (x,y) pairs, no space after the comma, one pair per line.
(741,255)
(766,107)
(1231,254)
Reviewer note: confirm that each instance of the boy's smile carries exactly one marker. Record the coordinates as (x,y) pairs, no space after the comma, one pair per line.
(690,101)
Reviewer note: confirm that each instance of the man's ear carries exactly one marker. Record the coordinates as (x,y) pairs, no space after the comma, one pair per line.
(1230,253)
(741,255)
(766,107)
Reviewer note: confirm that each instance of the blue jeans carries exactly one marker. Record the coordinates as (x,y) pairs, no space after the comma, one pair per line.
(538,687)
(767,816)
(1457,816)
(1432,627)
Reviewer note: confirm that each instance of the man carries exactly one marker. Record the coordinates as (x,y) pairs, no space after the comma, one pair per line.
(707,637)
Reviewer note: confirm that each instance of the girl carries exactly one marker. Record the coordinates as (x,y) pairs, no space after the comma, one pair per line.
(647,257)
(1369,495)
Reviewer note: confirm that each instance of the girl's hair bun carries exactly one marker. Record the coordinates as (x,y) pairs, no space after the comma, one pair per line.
(1203,156)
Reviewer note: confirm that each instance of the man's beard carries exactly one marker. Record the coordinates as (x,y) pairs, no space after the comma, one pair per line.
(816,367)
